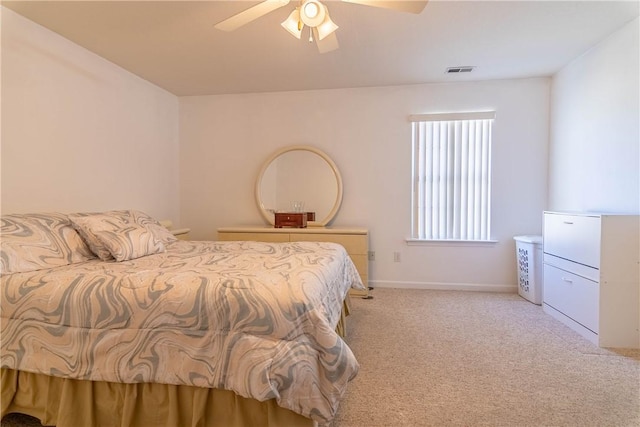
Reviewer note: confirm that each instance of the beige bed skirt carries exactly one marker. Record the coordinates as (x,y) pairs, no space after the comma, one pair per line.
(73,403)
(64,402)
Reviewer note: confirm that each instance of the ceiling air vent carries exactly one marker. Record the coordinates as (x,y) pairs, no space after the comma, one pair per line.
(453,70)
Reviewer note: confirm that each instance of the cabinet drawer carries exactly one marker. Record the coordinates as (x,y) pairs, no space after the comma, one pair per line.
(572,295)
(257,237)
(573,237)
(353,243)
(362,264)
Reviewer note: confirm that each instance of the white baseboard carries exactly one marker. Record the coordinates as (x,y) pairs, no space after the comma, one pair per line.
(443,286)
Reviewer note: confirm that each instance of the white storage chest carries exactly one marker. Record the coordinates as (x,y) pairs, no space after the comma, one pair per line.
(591,265)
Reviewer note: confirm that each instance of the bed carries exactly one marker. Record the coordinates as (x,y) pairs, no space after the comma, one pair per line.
(108,319)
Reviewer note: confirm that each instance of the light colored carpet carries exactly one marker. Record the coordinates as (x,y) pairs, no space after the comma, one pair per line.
(446,358)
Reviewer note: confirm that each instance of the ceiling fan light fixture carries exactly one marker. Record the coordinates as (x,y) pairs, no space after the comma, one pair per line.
(315,15)
(326,27)
(292,24)
(312,13)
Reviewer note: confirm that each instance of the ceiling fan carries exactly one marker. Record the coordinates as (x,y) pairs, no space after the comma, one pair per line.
(314,15)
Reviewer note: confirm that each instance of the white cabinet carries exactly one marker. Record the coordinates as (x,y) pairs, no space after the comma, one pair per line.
(592,275)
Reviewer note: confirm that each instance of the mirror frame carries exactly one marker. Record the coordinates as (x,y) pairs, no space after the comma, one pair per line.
(268,215)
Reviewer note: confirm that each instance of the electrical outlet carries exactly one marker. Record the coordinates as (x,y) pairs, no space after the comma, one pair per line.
(396,257)
(372,255)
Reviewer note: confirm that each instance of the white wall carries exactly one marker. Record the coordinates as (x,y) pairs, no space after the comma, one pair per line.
(224,140)
(79,133)
(595,128)
(82,134)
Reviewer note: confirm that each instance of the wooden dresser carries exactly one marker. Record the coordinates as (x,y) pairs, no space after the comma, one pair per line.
(591,275)
(354,240)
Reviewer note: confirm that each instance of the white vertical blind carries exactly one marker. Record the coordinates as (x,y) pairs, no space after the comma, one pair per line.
(452,176)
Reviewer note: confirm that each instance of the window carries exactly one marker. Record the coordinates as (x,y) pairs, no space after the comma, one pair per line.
(451,176)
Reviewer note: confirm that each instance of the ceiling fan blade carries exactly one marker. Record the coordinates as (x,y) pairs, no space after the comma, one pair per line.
(412,6)
(328,43)
(250,14)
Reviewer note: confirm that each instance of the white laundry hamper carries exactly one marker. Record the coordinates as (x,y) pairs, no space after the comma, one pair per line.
(529,264)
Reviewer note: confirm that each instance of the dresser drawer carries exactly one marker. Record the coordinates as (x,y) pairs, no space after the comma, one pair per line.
(362,270)
(353,243)
(573,237)
(574,296)
(256,237)
(362,265)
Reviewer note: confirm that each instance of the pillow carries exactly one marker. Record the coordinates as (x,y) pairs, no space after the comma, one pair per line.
(121,238)
(133,241)
(138,217)
(161,233)
(84,224)
(30,242)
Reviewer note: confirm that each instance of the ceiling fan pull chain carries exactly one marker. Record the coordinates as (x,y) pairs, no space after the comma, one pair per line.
(310,35)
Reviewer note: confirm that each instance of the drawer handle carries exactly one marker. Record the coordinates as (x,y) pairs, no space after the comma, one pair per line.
(568,222)
(567,280)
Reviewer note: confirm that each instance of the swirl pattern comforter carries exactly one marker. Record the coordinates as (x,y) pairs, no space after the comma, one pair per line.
(254,318)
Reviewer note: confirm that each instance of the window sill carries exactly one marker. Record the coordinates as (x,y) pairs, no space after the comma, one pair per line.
(424,242)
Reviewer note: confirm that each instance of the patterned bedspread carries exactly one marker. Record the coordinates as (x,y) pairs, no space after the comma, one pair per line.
(255,318)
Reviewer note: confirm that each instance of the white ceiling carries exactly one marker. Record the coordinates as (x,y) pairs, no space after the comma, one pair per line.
(174,45)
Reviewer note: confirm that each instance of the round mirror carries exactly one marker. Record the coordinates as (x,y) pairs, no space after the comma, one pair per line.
(299,179)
